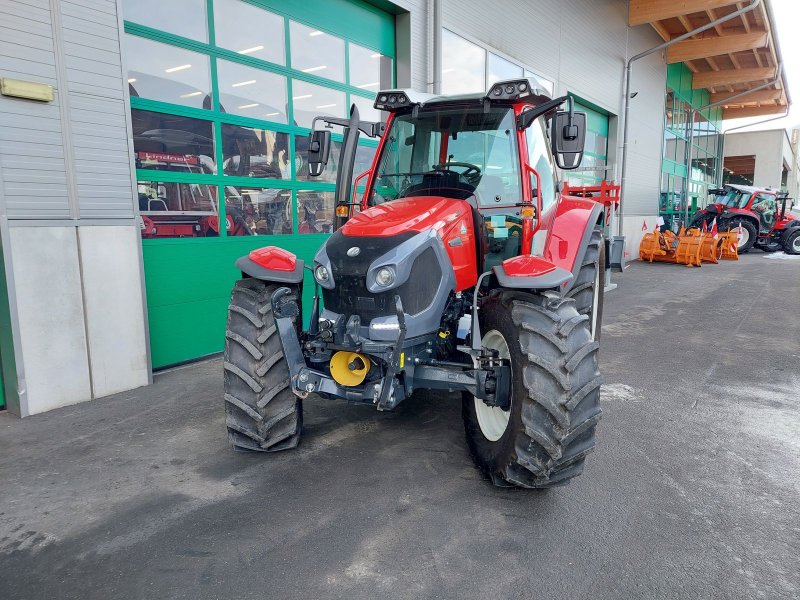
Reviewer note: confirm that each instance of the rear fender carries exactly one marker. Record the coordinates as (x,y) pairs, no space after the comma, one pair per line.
(531,273)
(569,238)
(272,264)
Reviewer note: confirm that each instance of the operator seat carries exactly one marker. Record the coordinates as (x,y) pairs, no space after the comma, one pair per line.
(440,183)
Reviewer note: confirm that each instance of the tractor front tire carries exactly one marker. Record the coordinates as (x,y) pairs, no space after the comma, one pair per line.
(261,412)
(792,243)
(587,289)
(543,439)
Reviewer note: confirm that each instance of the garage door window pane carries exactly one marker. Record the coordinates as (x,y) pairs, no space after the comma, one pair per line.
(500,69)
(186,18)
(314,51)
(463,65)
(311,100)
(258,211)
(314,212)
(170,210)
(369,70)
(160,72)
(248,30)
(172,143)
(250,92)
(249,152)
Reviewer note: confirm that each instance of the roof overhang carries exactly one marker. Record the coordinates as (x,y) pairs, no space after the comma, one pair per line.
(731,58)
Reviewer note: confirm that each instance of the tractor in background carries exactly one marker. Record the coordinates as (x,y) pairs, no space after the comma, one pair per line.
(759,214)
(461,268)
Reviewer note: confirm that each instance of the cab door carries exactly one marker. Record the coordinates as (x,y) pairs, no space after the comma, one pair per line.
(766,208)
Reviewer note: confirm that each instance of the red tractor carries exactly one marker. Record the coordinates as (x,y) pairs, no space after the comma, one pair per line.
(461,268)
(761,214)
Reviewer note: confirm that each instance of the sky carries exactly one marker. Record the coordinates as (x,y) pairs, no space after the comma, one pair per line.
(786,14)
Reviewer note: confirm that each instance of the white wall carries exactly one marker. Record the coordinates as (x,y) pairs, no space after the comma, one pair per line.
(767,146)
(70,244)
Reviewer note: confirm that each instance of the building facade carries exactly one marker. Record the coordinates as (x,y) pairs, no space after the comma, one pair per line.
(763,158)
(176,141)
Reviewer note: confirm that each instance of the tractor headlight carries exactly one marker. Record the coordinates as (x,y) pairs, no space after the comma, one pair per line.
(385,276)
(321,274)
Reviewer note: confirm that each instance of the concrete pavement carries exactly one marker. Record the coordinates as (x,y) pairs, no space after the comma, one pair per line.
(692,492)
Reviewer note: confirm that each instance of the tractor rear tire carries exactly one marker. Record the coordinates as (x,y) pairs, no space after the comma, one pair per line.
(555,393)
(792,243)
(261,412)
(587,289)
(751,232)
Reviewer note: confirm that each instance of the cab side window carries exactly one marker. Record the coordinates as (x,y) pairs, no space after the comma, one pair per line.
(540,160)
(766,208)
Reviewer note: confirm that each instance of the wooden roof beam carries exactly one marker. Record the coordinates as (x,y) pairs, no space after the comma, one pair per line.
(711,79)
(649,11)
(752,111)
(758,96)
(714,46)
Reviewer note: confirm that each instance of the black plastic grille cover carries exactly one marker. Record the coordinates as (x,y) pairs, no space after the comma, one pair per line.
(351,296)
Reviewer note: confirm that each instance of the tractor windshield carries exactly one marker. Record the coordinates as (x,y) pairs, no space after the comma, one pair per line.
(455,153)
(734,198)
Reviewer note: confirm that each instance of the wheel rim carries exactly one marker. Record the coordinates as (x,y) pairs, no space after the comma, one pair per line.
(744,237)
(493,420)
(595,301)
(796,244)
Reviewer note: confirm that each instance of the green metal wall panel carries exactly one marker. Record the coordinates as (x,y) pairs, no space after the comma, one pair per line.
(189,283)
(189,280)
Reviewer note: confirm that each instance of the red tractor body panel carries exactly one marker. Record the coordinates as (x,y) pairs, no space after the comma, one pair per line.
(567,238)
(450,218)
(274,258)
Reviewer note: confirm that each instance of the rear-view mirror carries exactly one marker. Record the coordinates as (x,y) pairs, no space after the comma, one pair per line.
(319,149)
(567,139)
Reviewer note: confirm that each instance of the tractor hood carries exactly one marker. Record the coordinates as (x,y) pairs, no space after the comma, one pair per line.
(417,214)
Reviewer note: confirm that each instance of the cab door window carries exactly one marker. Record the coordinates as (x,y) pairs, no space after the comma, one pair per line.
(766,208)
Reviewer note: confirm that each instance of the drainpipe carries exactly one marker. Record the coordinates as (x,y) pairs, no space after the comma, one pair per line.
(753,4)
(688,165)
(435,33)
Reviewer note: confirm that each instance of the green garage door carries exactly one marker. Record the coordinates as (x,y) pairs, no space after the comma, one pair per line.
(223,93)
(593,168)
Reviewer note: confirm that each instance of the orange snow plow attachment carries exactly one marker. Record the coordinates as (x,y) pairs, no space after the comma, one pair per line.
(683,249)
(728,245)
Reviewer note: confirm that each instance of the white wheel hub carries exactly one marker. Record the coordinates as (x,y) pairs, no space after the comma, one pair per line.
(796,244)
(744,237)
(596,301)
(493,420)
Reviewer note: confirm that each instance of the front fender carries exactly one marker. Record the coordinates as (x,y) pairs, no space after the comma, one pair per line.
(531,273)
(272,264)
(569,237)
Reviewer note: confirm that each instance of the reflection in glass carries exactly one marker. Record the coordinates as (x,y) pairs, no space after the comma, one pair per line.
(315,212)
(250,92)
(259,211)
(311,100)
(160,72)
(316,52)
(170,210)
(463,65)
(186,18)
(301,161)
(248,30)
(369,70)
(172,143)
(366,110)
(500,69)
(249,152)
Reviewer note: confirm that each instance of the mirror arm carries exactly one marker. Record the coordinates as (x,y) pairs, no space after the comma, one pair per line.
(525,119)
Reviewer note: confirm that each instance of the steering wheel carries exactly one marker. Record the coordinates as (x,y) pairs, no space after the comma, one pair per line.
(471,173)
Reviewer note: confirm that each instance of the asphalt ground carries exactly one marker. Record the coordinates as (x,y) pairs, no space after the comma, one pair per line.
(691,493)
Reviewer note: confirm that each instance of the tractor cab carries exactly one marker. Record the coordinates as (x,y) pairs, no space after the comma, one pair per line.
(491,152)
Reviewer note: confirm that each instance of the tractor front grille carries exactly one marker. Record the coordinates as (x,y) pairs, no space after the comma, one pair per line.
(351,296)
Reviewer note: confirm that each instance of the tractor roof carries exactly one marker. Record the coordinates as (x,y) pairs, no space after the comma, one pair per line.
(750,189)
(502,92)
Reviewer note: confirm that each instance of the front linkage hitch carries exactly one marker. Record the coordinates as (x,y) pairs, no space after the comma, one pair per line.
(407,363)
